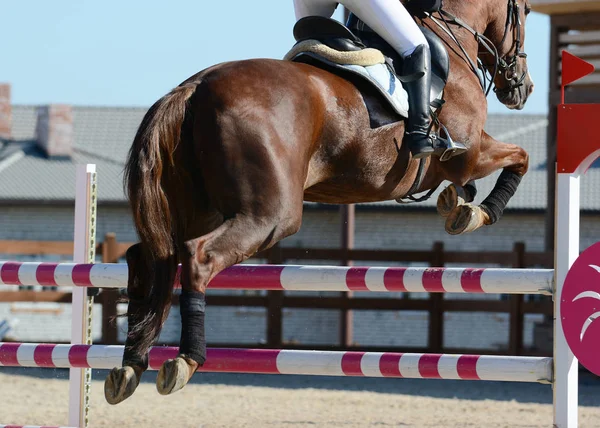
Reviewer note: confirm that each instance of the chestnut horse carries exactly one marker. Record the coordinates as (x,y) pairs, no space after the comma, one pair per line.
(221,165)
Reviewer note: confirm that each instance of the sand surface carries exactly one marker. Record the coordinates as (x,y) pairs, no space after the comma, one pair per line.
(38,397)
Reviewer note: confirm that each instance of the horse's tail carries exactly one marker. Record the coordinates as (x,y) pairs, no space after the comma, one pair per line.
(149,164)
(150,183)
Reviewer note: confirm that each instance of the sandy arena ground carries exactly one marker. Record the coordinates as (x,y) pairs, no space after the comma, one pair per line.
(37,397)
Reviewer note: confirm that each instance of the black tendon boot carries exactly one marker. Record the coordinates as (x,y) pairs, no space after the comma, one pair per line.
(417,69)
(192,306)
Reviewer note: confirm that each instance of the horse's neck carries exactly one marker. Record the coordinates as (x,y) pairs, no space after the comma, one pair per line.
(475,13)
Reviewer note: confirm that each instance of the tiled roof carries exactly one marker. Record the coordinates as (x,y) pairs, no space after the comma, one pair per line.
(103,136)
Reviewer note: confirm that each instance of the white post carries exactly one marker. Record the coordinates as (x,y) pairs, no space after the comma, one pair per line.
(84,252)
(566,252)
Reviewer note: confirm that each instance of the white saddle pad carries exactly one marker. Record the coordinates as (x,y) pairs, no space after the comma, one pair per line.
(368,63)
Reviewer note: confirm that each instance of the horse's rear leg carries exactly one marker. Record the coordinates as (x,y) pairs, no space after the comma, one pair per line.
(122,381)
(493,156)
(202,259)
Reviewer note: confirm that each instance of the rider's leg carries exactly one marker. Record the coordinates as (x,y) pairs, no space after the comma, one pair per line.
(388,18)
(323,8)
(395,25)
(418,134)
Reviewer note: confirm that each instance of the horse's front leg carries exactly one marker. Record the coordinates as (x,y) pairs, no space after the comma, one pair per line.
(454,196)
(123,381)
(493,156)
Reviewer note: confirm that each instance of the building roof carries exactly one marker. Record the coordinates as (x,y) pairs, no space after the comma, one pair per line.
(103,136)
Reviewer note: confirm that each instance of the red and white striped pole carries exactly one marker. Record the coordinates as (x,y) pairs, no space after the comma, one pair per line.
(301,278)
(293,362)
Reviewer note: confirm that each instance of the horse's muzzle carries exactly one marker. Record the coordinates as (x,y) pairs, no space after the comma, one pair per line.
(516,98)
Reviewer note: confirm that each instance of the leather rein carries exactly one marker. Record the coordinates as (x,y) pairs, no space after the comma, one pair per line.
(505,65)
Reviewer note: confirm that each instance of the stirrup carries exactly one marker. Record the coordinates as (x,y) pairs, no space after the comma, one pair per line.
(445,147)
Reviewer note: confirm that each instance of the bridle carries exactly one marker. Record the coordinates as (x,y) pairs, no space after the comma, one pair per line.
(509,66)
(506,65)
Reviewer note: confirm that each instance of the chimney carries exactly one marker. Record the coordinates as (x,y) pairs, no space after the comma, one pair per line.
(5,111)
(54,130)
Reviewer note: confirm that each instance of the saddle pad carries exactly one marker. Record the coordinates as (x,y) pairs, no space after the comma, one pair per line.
(362,57)
(367,63)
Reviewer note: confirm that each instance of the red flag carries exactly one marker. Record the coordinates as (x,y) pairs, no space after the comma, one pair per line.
(574,68)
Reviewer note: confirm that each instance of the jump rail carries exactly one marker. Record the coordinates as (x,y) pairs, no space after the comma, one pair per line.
(291,362)
(301,278)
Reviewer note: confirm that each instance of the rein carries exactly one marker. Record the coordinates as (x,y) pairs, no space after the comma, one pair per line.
(506,66)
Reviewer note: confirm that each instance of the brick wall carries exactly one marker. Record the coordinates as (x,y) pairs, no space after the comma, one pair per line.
(48,223)
(5,111)
(418,231)
(54,130)
(45,322)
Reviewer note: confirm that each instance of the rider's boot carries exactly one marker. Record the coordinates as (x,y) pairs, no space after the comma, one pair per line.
(417,81)
(421,139)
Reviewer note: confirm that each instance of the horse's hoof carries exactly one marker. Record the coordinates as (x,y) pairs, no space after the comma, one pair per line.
(174,375)
(452,197)
(465,218)
(120,384)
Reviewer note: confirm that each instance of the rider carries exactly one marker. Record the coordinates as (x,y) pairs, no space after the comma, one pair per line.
(391,20)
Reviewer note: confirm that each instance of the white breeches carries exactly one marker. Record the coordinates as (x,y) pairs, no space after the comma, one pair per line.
(388,18)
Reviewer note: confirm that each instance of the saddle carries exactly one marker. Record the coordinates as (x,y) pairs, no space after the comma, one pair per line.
(330,45)
(358,54)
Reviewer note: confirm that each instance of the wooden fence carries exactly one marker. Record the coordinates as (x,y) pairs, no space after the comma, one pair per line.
(275,302)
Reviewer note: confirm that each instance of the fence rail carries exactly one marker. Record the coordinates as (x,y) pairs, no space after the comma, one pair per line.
(274,302)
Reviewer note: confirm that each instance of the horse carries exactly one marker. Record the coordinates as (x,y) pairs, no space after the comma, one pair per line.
(220,167)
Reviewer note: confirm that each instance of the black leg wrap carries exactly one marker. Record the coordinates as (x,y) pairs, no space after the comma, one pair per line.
(192,306)
(131,356)
(505,188)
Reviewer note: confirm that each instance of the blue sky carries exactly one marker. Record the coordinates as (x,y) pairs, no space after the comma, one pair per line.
(129,53)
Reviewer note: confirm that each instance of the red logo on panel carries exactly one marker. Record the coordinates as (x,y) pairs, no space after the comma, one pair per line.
(580,308)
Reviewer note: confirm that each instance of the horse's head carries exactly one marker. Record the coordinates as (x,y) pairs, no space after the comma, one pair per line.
(506,30)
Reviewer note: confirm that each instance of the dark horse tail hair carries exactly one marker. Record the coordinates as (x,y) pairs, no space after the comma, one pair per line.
(149,175)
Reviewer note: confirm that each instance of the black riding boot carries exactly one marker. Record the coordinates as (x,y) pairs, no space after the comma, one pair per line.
(417,70)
